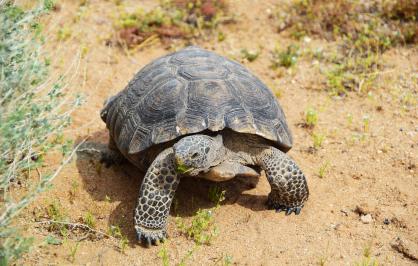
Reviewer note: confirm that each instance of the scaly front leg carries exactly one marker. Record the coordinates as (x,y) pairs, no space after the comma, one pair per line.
(289,189)
(155,197)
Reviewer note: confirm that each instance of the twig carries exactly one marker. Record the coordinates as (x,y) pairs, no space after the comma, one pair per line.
(79,225)
(39,173)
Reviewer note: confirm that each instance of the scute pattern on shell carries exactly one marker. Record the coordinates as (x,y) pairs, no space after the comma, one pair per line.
(190,91)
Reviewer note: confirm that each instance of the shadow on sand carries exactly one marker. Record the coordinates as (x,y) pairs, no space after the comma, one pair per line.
(121,184)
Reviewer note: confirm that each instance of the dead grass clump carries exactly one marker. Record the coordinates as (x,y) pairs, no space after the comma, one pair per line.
(172,19)
(373,24)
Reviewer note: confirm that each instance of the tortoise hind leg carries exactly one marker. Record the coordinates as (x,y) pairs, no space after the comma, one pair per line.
(155,197)
(289,189)
(112,155)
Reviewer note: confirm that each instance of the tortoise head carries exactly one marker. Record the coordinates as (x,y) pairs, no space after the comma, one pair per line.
(197,153)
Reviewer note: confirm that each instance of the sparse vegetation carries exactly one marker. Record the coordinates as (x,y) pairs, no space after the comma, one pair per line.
(89,220)
(163,254)
(172,19)
(250,55)
(366,123)
(323,169)
(33,113)
(73,191)
(201,229)
(285,58)
(216,194)
(378,24)
(318,140)
(73,251)
(311,117)
(116,232)
(52,240)
(367,260)
(362,29)
(64,33)
(56,213)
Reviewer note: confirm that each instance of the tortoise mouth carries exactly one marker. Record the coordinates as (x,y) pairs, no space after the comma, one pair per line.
(181,167)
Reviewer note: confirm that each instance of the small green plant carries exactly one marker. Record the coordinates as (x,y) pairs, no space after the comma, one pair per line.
(216,194)
(56,213)
(51,240)
(107,199)
(227,260)
(367,260)
(366,123)
(73,252)
(318,140)
(323,169)
(221,36)
(202,229)
(350,119)
(89,220)
(73,191)
(285,58)
(115,231)
(163,254)
(311,118)
(64,33)
(250,55)
(188,255)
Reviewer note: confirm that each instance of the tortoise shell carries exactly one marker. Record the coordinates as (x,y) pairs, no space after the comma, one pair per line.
(190,91)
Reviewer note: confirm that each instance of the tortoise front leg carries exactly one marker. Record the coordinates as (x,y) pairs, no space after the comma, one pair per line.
(289,189)
(155,197)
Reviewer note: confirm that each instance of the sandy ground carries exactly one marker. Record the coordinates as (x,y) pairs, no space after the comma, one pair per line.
(374,169)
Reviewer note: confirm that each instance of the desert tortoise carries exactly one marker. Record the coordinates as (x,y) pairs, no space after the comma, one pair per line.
(196,113)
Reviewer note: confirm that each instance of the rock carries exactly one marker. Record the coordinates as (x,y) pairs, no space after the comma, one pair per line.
(408,248)
(366,219)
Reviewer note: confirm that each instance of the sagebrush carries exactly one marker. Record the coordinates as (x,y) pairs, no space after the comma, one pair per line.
(34,110)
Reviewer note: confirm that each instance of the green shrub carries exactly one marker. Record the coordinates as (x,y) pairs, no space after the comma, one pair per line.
(33,113)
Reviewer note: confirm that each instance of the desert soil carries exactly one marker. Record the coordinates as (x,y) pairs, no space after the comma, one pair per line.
(370,171)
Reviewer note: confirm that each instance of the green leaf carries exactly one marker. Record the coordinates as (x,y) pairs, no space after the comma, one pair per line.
(51,240)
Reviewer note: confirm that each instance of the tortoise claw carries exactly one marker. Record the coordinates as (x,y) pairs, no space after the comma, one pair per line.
(279,208)
(150,237)
(296,210)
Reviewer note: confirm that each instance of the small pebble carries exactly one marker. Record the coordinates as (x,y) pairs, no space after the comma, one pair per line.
(366,219)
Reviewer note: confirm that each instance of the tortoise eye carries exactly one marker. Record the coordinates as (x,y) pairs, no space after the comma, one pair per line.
(194,155)
(207,149)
